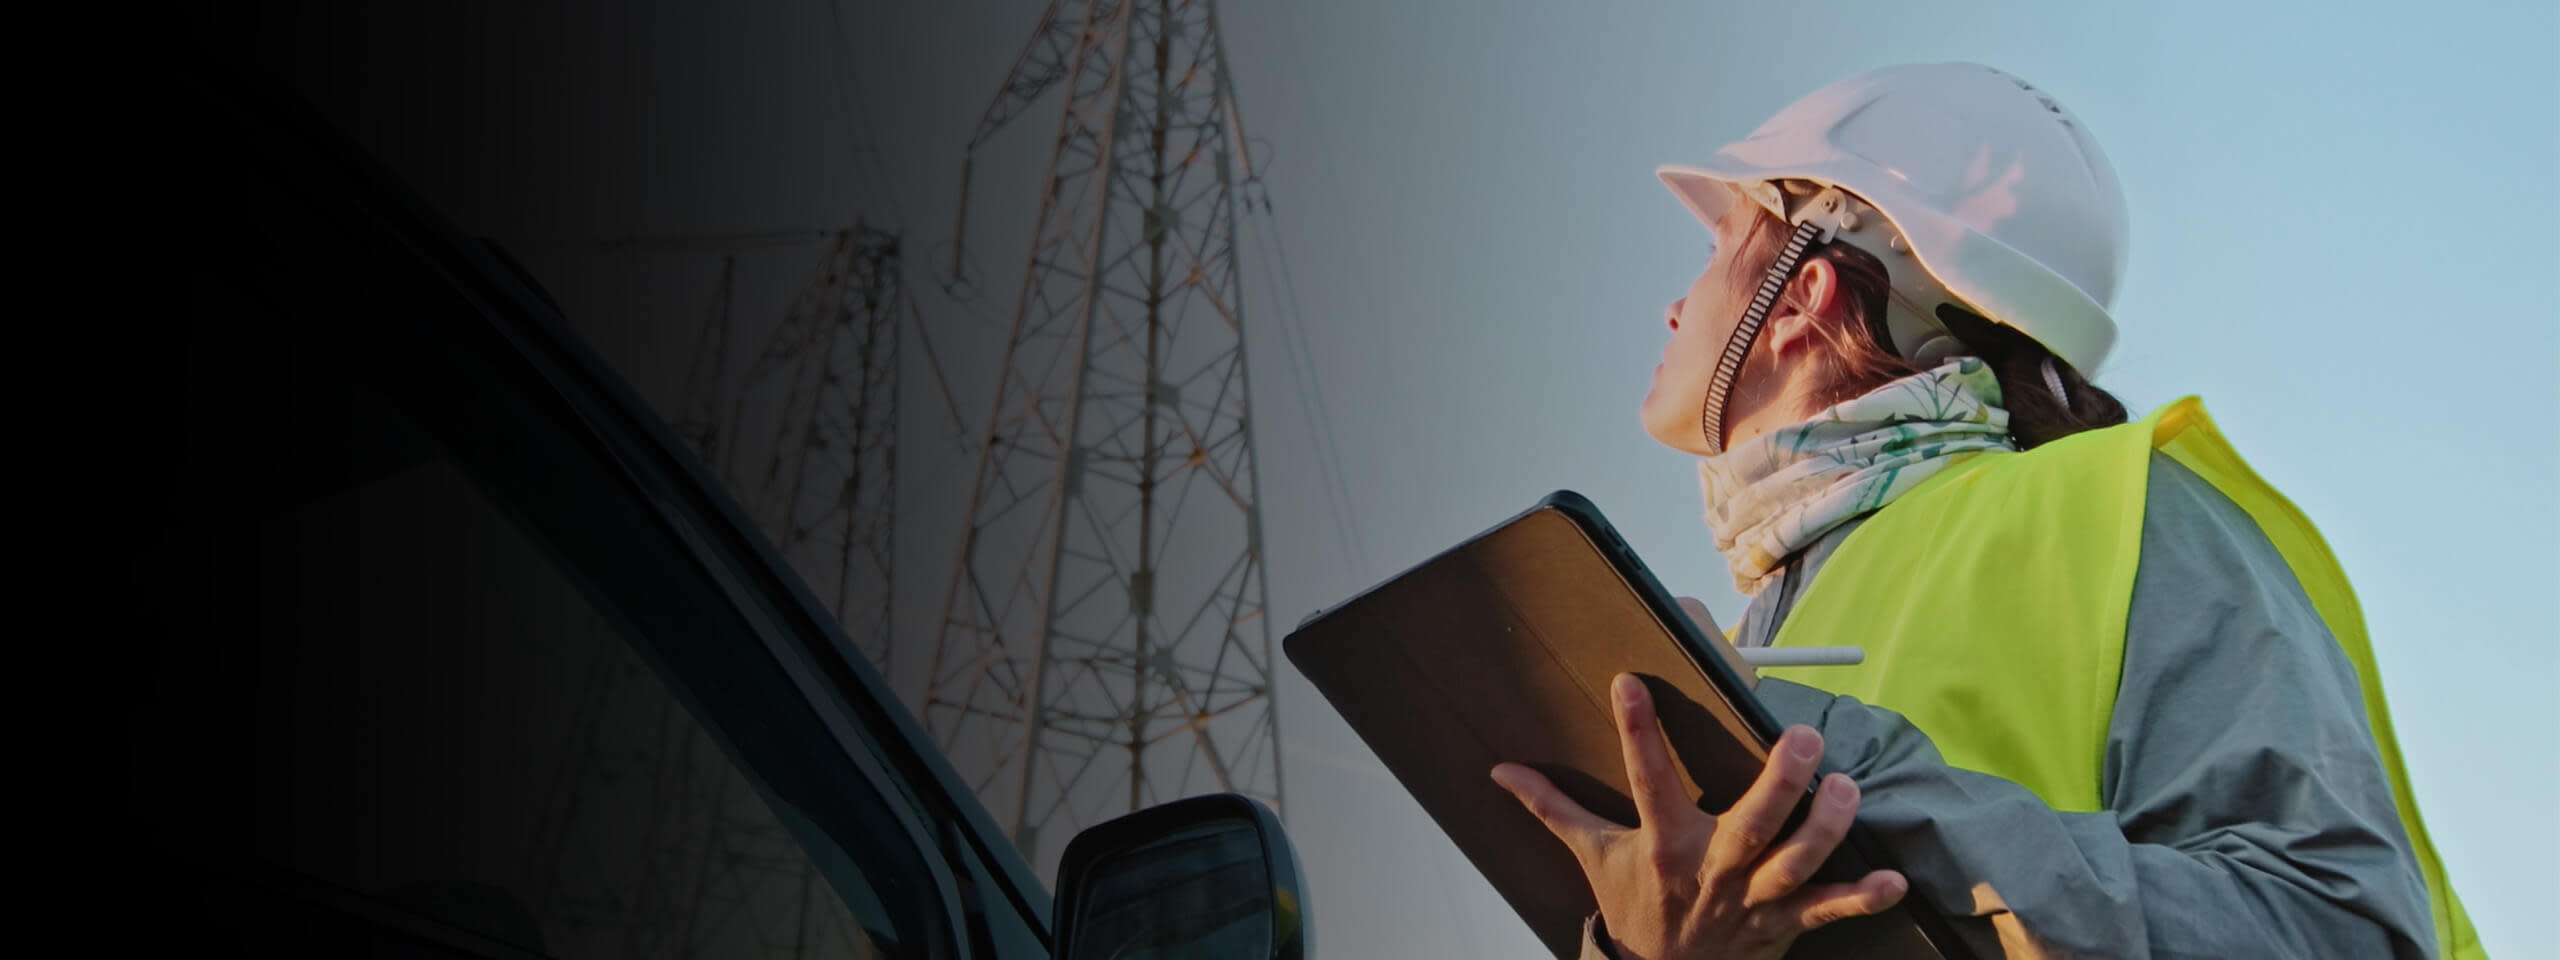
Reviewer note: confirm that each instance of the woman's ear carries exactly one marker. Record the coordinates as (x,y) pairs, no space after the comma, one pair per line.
(1816,289)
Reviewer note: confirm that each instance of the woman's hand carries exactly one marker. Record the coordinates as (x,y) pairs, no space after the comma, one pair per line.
(1687,884)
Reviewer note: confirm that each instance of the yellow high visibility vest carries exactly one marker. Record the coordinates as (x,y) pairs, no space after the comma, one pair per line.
(1959,591)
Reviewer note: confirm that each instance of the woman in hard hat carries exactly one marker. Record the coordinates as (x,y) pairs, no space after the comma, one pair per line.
(2116,699)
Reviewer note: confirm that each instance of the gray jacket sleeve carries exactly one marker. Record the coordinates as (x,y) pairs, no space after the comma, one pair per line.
(2247,814)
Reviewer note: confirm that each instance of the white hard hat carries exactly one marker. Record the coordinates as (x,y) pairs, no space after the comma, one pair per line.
(2001,194)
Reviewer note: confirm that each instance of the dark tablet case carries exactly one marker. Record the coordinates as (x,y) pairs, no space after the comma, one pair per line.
(1503,648)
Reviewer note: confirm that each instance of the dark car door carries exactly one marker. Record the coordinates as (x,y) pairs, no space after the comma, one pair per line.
(442,646)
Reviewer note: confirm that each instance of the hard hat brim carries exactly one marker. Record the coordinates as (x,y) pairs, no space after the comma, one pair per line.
(1703,191)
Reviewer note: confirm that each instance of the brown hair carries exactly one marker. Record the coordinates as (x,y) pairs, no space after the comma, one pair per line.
(1859,358)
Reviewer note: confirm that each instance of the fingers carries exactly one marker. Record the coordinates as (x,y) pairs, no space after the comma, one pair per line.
(1580,829)
(1826,903)
(1661,802)
(1755,820)
(1802,852)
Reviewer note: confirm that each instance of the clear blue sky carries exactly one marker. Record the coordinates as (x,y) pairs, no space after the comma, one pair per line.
(2343,232)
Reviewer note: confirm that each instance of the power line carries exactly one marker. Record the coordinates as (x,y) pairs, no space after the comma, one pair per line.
(1299,352)
(857,124)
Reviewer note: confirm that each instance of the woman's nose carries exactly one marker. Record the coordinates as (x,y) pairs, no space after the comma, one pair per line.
(1671,316)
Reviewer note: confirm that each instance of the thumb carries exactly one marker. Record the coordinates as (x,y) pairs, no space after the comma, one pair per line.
(1698,614)
(1706,622)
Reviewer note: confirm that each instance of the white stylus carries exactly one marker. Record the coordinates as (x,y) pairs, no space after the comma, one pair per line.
(1773,656)
(1801,656)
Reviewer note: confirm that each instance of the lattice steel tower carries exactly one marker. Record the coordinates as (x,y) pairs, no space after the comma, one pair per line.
(817,475)
(650,843)
(1104,644)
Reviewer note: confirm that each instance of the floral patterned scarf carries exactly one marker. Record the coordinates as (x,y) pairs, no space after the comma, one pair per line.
(1771,495)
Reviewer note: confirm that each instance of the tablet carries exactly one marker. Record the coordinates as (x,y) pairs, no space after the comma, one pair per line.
(1502,648)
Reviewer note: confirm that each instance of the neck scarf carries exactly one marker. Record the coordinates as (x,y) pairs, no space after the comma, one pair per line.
(1771,495)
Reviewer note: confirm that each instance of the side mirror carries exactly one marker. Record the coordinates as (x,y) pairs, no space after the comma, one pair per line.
(1207,877)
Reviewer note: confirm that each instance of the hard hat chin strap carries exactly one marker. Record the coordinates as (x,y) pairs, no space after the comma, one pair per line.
(1904,328)
(1738,344)
(1911,325)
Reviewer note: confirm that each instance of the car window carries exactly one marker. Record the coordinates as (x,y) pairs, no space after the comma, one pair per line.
(396,689)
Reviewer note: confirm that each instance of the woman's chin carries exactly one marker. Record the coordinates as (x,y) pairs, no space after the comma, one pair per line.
(1672,423)
(1657,421)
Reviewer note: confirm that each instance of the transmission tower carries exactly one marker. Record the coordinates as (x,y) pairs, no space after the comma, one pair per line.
(817,474)
(1104,644)
(650,843)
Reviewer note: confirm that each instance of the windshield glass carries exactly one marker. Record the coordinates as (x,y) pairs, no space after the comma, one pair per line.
(394,696)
